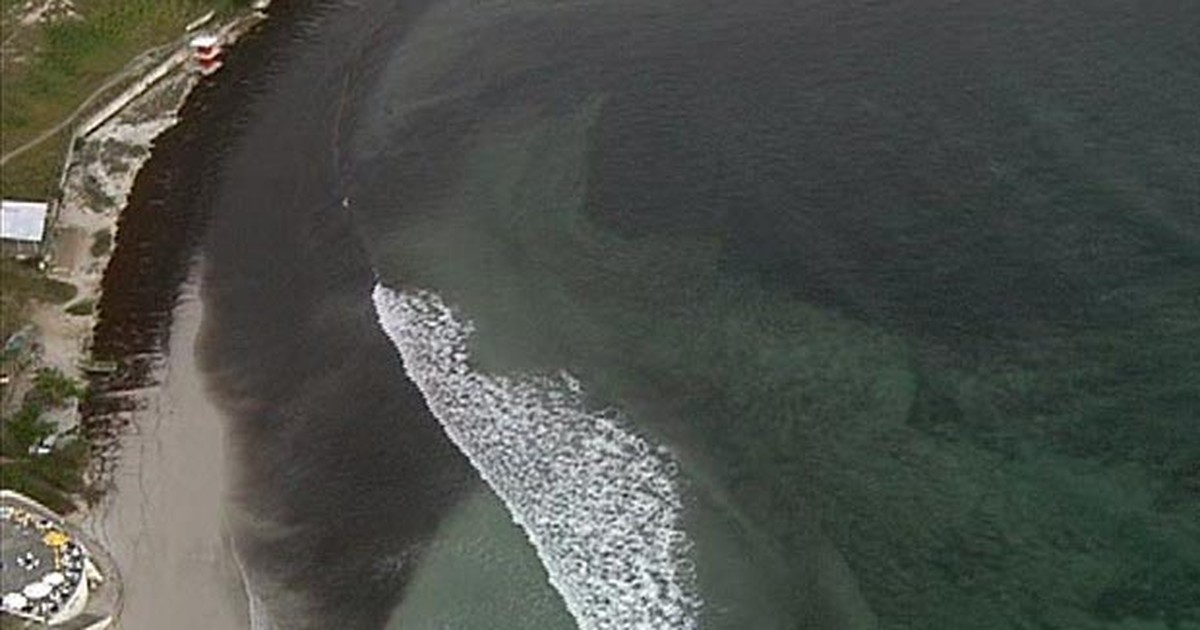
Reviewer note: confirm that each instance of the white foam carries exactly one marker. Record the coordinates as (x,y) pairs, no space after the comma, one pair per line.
(260,619)
(599,503)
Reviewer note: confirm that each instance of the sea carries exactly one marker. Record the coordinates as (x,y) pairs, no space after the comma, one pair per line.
(658,314)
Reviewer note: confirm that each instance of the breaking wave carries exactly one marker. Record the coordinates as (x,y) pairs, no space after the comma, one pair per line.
(600,504)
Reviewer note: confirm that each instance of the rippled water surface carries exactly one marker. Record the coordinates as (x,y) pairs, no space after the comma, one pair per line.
(900,301)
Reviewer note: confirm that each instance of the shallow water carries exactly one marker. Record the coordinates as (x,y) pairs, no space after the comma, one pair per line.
(480,573)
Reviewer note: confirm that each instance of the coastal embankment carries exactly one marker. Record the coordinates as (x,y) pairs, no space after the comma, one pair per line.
(158,438)
(341,476)
(155,478)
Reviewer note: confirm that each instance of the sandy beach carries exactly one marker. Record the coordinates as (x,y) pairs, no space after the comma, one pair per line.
(164,521)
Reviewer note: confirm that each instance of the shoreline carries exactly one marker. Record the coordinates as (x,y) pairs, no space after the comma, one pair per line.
(162,511)
(162,402)
(342,474)
(130,323)
(164,523)
(122,319)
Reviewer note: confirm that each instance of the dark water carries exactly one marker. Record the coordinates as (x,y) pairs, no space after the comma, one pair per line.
(911,289)
(341,473)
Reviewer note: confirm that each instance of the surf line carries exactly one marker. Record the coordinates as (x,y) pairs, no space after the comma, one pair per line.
(601,505)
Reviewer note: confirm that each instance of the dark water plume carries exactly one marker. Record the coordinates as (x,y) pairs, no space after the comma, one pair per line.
(329,516)
(341,474)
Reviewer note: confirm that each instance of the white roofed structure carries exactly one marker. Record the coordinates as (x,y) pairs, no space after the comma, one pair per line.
(205,40)
(23,221)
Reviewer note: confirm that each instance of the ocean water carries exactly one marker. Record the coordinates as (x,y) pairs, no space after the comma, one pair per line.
(764,314)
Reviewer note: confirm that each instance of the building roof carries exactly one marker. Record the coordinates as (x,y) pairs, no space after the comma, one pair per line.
(205,40)
(23,220)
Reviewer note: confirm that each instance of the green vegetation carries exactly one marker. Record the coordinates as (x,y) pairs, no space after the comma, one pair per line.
(52,388)
(22,285)
(102,243)
(34,174)
(50,71)
(61,63)
(50,477)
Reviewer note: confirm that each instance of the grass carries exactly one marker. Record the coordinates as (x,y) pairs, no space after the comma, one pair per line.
(34,174)
(67,61)
(22,286)
(52,388)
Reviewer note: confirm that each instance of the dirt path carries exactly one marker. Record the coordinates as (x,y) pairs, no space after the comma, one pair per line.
(136,65)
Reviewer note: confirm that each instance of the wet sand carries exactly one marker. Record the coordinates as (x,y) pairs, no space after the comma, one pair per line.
(164,522)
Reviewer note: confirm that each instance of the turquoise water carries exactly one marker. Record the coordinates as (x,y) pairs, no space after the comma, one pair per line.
(912,291)
(479,572)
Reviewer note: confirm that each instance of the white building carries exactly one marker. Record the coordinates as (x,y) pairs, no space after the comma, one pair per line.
(22,225)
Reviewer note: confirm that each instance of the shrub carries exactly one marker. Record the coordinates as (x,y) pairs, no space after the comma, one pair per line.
(24,430)
(52,388)
(102,243)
